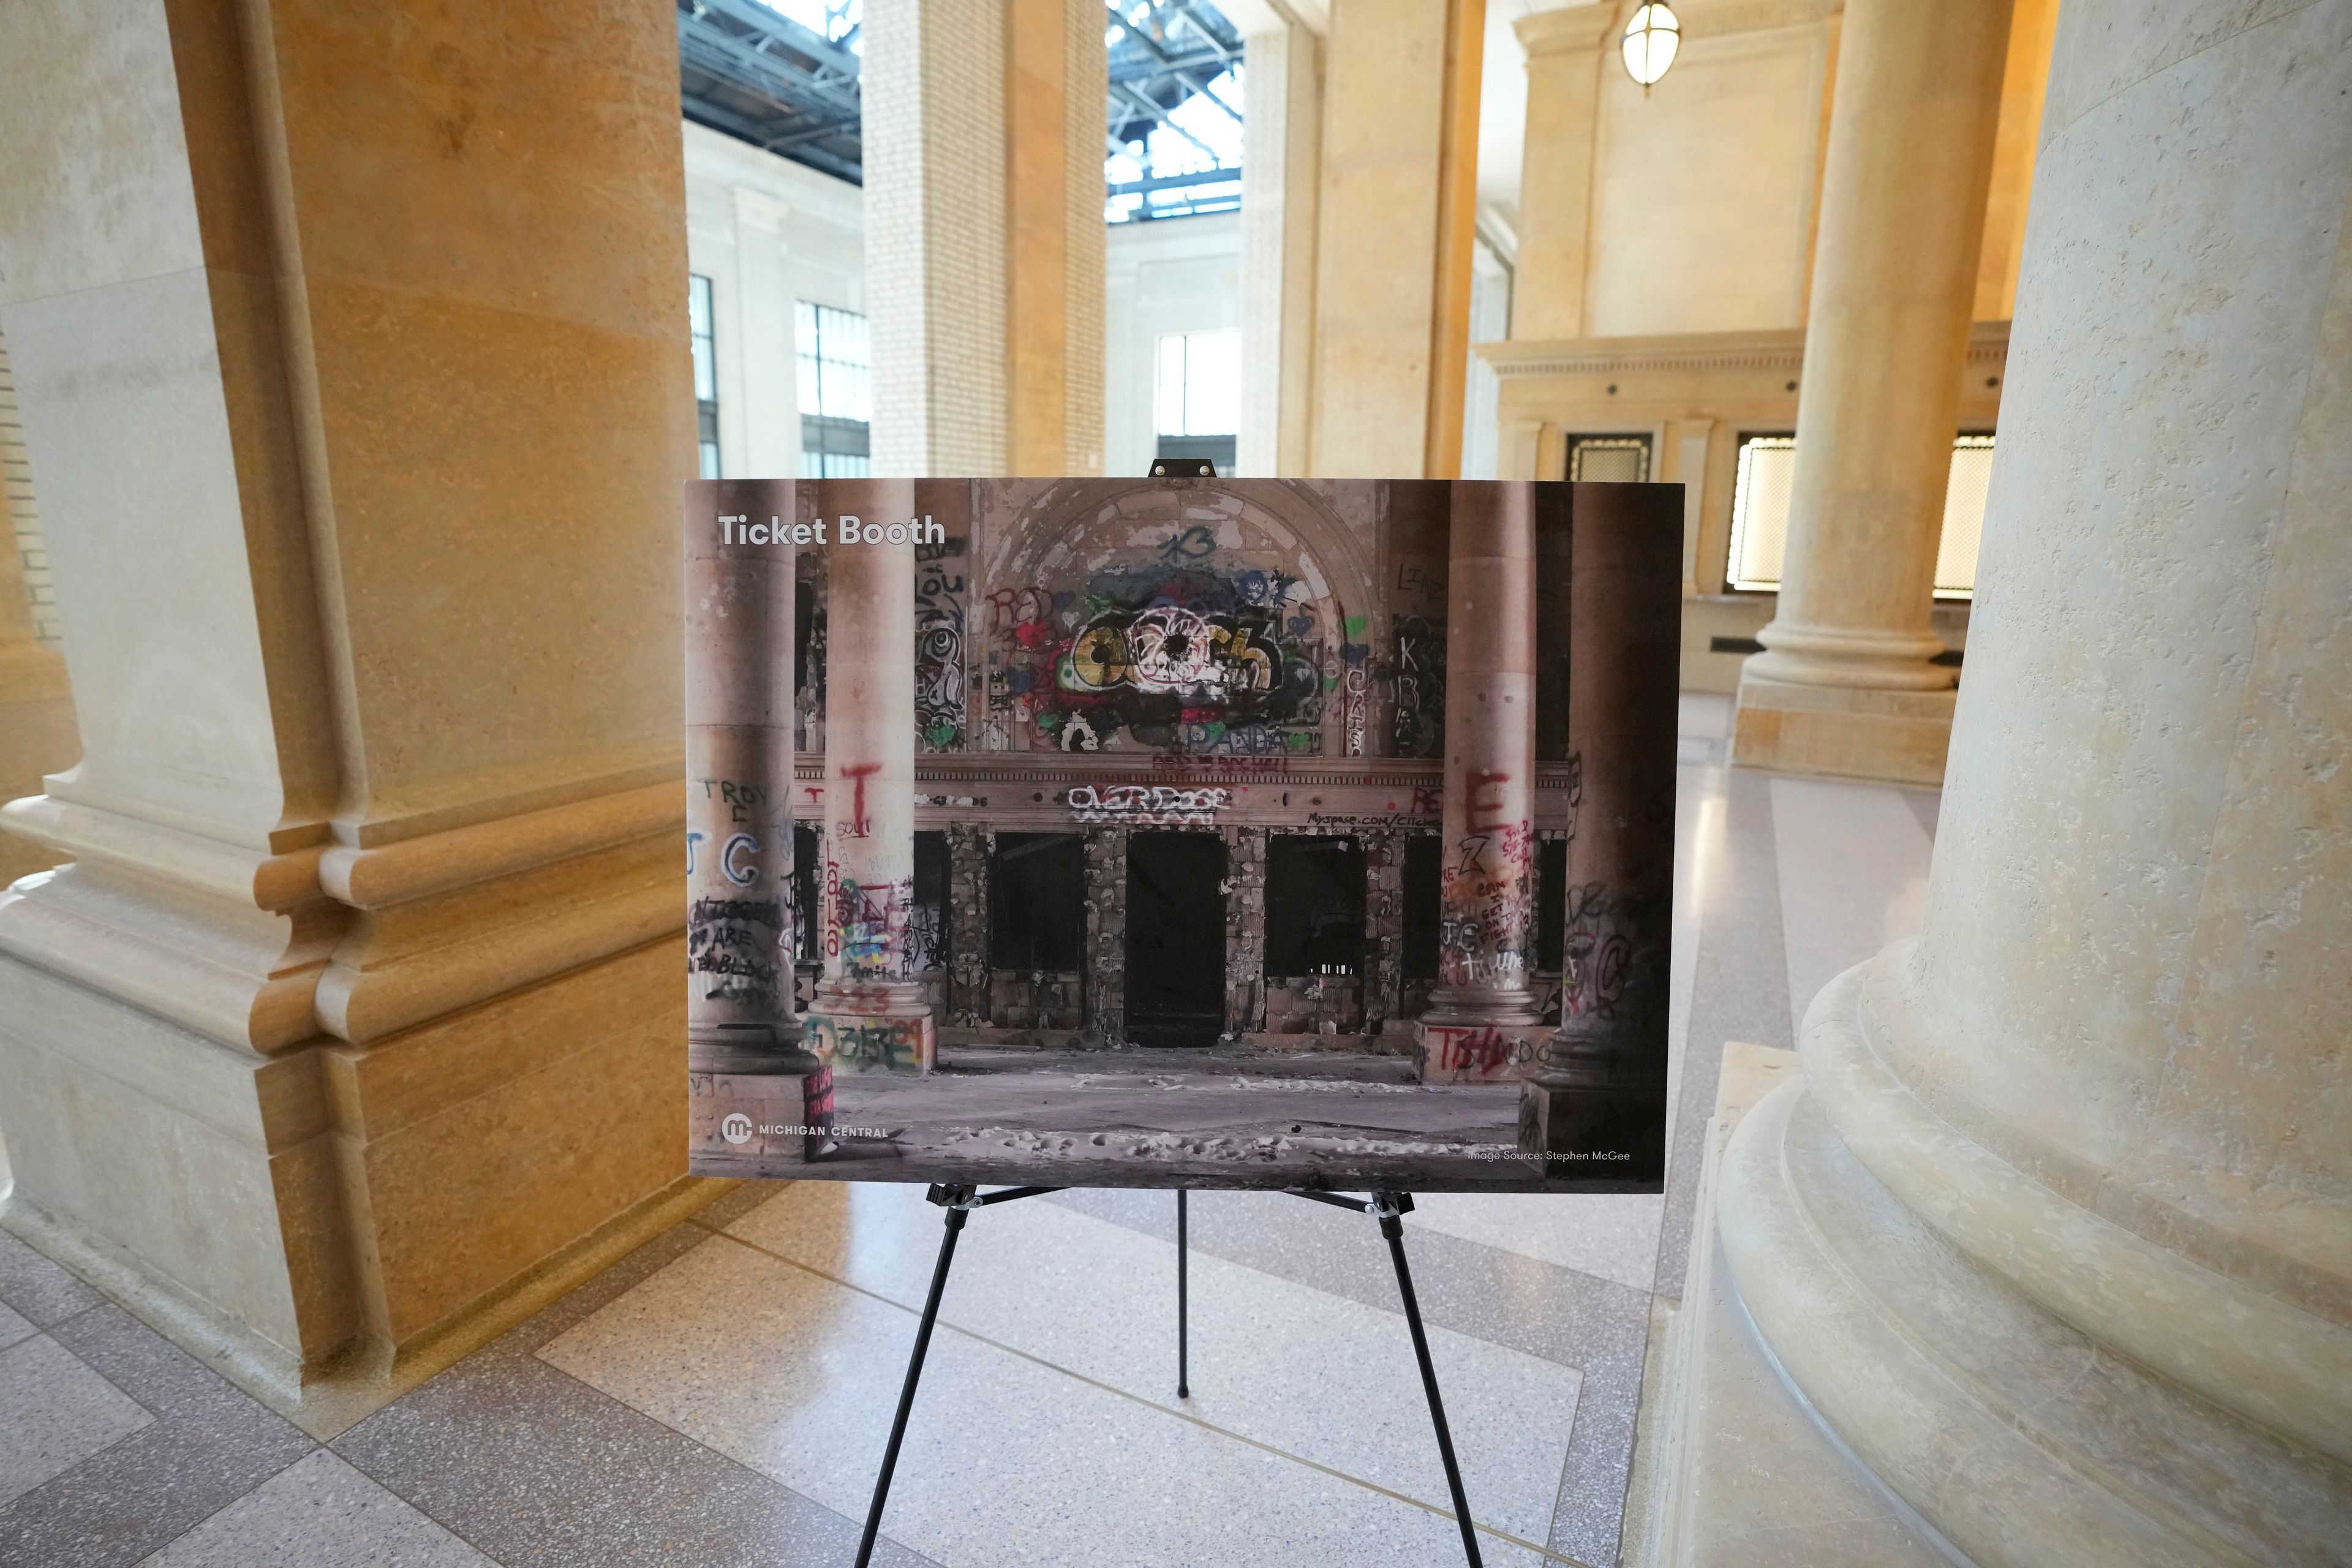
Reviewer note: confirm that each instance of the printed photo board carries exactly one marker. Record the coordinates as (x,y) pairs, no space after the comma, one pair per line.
(1181,832)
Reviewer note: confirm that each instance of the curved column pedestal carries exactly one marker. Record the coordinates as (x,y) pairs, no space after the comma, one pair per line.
(1981,1360)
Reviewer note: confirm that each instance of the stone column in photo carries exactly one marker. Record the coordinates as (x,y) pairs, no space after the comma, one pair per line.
(1844,685)
(752,1087)
(984,135)
(1566,50)
(2055,1232)
(1598,1091)
(1281,163)
(1482,1021)
(352,355)
(869,1012)
(1396,219)
(37,722)
(1104,960)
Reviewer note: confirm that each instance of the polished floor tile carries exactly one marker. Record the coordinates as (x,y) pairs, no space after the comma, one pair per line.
(1852,863)
(1281,1362)
(535,1467)
(55,1412)
(1610,1236)
(37,1289)
(207,1445)
(1007,1459)
(318,1513)
(14,1328)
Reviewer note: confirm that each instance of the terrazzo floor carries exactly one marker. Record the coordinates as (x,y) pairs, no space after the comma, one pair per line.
(720,1396)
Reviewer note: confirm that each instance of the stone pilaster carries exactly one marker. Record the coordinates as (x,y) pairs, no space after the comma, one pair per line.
(1844,685)
(1245,928)
(744,1054)
(2052,1233)
(1384,912)
(1395,218)
(984,132)
(1481,1013)
(869,1011)
(970,850)
(373,932)
(1596,1102)
(1106,955)
(1566,50)
(1281,170)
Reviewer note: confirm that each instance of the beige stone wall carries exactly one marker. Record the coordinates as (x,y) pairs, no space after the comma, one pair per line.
(767,232)
(1703,192)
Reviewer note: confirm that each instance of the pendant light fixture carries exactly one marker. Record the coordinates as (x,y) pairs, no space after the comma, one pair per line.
(1650,42)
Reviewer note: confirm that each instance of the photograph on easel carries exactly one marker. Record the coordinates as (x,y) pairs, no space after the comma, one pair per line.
(1180,831)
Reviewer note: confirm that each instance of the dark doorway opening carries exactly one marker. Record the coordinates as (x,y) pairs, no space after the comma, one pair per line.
(1314,907)
(1175,937)
(1421,864)
(1038,902)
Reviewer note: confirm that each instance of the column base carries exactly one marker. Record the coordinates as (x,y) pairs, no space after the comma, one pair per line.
(883,1028)
(1476,1052)
(1847,731)
(746,1124)
(1947,1403)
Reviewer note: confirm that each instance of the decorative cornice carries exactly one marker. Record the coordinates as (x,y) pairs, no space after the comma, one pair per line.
(1781,348)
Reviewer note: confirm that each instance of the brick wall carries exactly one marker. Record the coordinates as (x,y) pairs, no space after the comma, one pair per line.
(16,484)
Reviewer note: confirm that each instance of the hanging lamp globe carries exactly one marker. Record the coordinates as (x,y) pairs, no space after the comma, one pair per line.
(1650,42)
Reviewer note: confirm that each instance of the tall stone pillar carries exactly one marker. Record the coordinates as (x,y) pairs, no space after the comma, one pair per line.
(1055,71)
(984,130)
(1566,50)
(1282,160)
(1844,685)
(351,354)
(745,1057)
(1600,1088)
(37,722)
(1483,1015)
(1397,218)
(869,1011)
(2056,1230)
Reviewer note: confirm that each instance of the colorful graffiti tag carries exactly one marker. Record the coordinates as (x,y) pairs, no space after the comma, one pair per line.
(938,645)
(869,931)
(1420,687)
(1180,651)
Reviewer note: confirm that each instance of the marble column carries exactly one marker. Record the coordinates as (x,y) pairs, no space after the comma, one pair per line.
(1483,1019)
(1282,158)
(37,723)
(1844,685)
(1396,219)
(869,1012)
(1566,50)
(1596,1102)
(751,1086)
(2056,1230)
(352,357)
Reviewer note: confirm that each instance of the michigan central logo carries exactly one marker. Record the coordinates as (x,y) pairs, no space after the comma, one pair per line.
(736,1128)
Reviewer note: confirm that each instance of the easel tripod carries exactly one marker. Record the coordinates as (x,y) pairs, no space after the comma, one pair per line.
(959,1201)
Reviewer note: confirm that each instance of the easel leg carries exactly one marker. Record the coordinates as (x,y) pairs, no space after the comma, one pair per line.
(956,1200)
(1390,1208)
(1183,1308)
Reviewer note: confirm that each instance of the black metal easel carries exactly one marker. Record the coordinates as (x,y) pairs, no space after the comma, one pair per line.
(959,1200)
